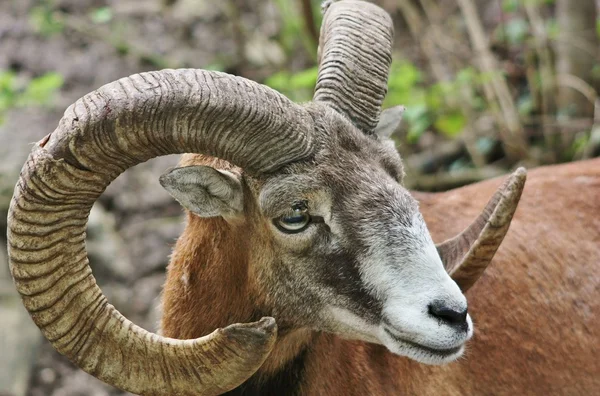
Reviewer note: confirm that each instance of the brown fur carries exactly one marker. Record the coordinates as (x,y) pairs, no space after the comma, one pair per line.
(536,308)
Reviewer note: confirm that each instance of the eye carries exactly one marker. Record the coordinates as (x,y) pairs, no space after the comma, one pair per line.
(297,220)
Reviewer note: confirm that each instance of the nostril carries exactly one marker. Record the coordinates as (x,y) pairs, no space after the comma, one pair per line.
(447,314)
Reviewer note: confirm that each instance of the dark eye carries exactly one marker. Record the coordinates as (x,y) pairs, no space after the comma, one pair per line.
(296,221)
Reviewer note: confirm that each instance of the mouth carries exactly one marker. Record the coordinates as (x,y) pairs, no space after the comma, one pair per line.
(440,353)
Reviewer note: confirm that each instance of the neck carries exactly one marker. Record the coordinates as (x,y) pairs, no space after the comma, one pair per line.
(208,286)
(284,369)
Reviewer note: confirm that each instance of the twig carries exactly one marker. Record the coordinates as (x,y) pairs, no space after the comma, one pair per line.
(513,136)
(577,84)
(428,161)
(576,24)
(412,16)
(447,180)
(547,83)
(594,143)
(416,25)
(469,136)
(309,20)
(239,35)
(581,45)
(573,124)
(84,27)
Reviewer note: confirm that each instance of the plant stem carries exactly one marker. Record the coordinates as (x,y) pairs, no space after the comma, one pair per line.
(512,133)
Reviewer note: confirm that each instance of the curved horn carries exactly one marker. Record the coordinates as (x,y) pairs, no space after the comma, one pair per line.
(467,255)
(355,55)
(101,135)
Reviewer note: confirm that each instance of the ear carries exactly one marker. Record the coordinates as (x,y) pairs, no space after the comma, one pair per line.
(205,191)
(389,120)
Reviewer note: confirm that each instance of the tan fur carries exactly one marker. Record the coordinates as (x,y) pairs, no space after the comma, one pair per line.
(536,308)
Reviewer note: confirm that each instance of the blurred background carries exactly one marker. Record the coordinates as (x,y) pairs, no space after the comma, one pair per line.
(489,85)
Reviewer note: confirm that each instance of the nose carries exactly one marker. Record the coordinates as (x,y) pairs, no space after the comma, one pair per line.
(448,315)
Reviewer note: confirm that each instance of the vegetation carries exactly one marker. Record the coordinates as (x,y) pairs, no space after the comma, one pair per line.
(524,92)
(17,92)
(513,82)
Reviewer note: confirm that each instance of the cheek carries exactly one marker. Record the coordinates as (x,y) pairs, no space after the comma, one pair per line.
(263,255)
(294,292)
(340,276)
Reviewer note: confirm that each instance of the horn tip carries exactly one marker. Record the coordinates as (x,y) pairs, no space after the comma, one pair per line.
(518,178)
(264,328)
(511,195)
(325,5)
(520,172)
(267,323)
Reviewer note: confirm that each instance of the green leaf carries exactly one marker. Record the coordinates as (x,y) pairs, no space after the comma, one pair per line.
(596,71)
(278,81)
(101,15)
(516,30)
(466,76)
(451,124)
(510,5)
(7,90)
(485,145)
(525,105)
(215,66)
(291,30)
(540,2)
(436,101)
(7,81)
(577,147)
(404,75)
(552,28)
(418,120)
(404,86)
(489,76)
(304,79)
(580,142)
(298,87)
(460,164)
(41,89)
(44,21)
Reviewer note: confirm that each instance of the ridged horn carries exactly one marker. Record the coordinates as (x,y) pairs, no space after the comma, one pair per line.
(105,132)
(467,255)
(355,54)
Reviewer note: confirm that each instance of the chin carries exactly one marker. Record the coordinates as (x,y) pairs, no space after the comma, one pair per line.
(426,355)
(422,353)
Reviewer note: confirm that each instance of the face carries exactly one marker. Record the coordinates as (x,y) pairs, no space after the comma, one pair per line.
(338,245)
(352,255)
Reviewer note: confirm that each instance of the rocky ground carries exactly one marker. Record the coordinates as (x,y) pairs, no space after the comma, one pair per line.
(135,223)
